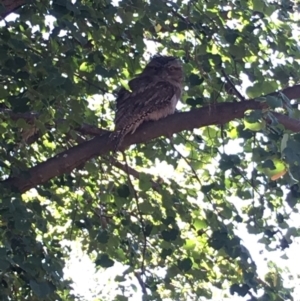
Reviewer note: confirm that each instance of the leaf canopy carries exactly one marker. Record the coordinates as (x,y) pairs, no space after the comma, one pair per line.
(177,205)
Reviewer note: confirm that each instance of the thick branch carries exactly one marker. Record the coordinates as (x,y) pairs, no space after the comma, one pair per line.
(11,6)
(290,92)
(288,122)
(68,160)
(86,129)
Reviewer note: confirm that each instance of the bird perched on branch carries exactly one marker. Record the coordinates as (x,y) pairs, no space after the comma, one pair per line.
(154,95)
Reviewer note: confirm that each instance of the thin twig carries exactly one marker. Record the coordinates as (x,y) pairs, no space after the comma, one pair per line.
(238,171)
(188,163)
(155,186)
(232,86)
(141,282)
(196,177)
(88,129)
(90,83)
(140,215)
(184,19)
(30,117)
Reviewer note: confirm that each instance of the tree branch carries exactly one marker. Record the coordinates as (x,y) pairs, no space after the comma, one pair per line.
(288,122)
(29,117)
(232,87)
(11,6)
(136,174)
(70,159)
(292,92)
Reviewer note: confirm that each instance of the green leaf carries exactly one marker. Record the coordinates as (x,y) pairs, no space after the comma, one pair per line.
(103,236)
(207,188)
(165,253)
(255,91)
(148,229)
(185,264)
(71,7)
(146,207)
(199,224)
(21,123)
(241,290)
(123,191)
(231,36)
(121,298)
(193,102)
(4,265)
(195,80)
(268,164)
(22,225)
(170,235)
(80,38)
(104,72)
(218,239)
(258,5)
(41,289)
(274,102)
(169,220)
(291,200)
(145,182)
(104,261)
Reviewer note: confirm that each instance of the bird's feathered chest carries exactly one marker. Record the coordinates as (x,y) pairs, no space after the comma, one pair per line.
(153,95)
(145,91)
(149,99)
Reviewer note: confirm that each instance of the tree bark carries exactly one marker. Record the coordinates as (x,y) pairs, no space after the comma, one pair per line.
(10,6)
(74,157)
(68,160)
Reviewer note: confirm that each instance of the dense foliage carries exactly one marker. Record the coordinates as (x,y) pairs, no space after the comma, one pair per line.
(168,205)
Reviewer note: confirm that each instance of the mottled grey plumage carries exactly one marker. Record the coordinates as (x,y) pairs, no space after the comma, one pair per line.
(154,95)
